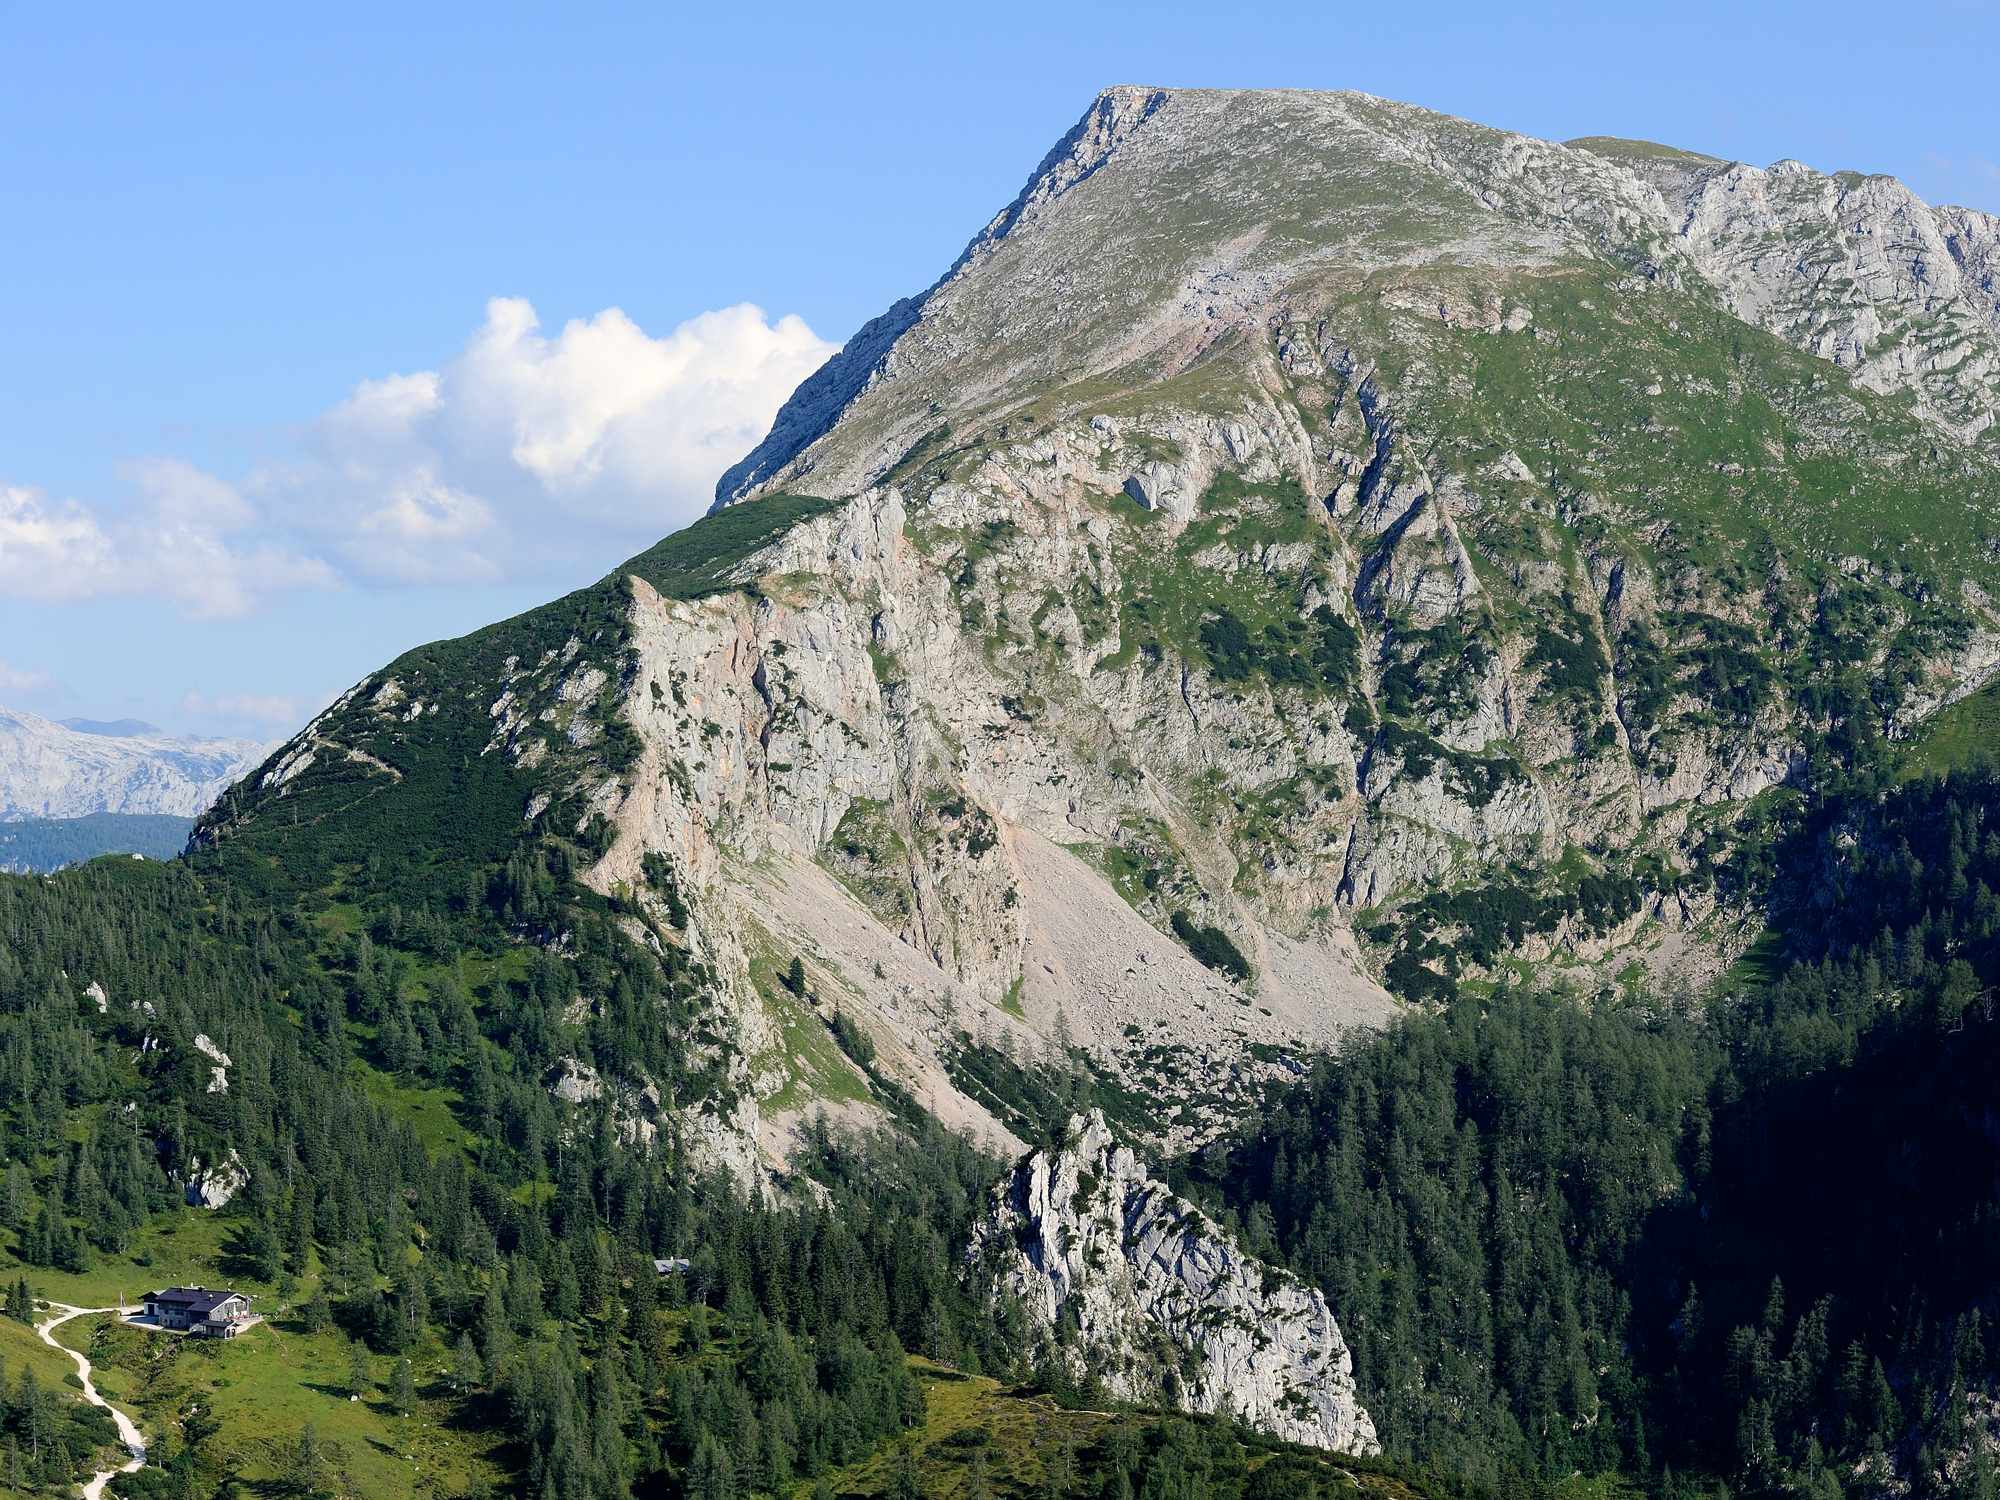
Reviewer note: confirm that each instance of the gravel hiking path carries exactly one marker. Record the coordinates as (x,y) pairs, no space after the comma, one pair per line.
(128,1431)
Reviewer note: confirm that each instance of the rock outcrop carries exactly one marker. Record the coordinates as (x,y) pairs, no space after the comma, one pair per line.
(1133,1284)
(213,1187)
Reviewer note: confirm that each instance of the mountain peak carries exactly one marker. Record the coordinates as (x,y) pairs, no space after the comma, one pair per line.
(1166,220)
(116,729)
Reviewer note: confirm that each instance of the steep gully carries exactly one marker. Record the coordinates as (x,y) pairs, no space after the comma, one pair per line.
(128,1430)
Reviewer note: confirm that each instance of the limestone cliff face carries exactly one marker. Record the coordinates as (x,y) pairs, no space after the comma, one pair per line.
(1598,454)
(1148,1292)
(835,767)
(1858,270)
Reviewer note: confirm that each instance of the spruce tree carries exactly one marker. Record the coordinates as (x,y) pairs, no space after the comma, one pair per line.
(496,1335)
(299,1228)
(14,1204)
(309,1462)
(713,1476)
(318,1310)
(464,1363)
(70,1251)
(360,1380)
(405,1389)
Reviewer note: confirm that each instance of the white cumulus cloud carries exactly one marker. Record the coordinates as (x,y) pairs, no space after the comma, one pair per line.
(187,538)
(49,552)
(523,455)
(13,679)
(524,446)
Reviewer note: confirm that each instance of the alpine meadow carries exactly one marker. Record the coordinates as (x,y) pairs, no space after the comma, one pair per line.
(1325,827)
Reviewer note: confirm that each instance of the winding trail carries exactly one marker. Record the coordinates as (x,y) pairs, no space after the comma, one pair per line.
(128,1430)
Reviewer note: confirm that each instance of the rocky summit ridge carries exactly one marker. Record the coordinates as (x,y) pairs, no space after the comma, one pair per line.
(1167,218)
(1135,1287)
(1308,554)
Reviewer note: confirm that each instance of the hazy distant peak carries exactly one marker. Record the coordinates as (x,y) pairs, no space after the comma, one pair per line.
(117,729)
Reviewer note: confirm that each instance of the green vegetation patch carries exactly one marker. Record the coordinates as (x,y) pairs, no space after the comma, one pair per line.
(1244,621)
(1443,931)
(1213,947)
(690,563)
(1322,653)
(1435,671)
(1475,779)
(1567,650)
(1035,1096)
(1956,737)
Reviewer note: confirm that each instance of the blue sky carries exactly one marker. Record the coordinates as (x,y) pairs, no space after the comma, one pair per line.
(330,334)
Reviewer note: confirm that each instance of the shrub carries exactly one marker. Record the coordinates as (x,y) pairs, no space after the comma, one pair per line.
(1212,946)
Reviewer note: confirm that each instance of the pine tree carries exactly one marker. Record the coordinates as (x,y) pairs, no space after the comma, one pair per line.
(405,1389)
(68,1250)
(264,1246)
(28,1412)
(713,1476)
(14,1206)
(465,1363)
(360,1378)
(309,1462)
(569,1294)
(299,1228)
(496,1336)
(904,1483)
(38,1242)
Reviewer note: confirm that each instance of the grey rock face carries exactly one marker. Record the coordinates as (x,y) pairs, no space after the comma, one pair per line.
(214,1186)
(1201,289)
(1857,270)
(1163,1305)
(806,772)
(815,405)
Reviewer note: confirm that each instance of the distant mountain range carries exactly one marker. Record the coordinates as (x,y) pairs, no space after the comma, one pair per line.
(117,729)
(81,766)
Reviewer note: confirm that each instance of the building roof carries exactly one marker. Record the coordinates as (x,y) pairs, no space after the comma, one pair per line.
(196,1299)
